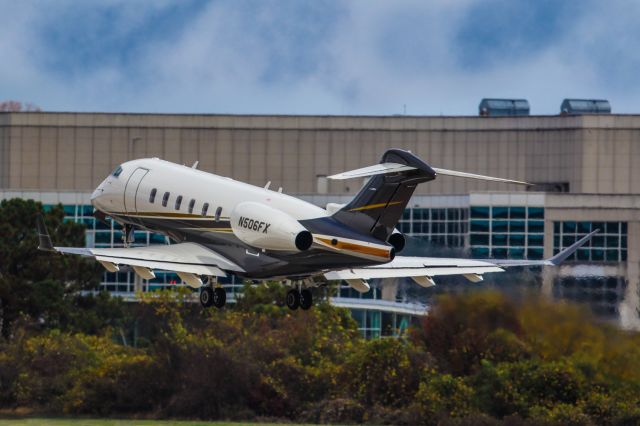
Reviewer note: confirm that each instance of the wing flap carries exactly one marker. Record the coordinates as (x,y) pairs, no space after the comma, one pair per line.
(189,258)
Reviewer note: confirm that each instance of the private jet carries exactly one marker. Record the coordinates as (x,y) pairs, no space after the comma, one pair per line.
(219,226)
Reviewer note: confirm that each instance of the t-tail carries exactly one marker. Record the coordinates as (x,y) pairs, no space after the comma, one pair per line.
(379,205)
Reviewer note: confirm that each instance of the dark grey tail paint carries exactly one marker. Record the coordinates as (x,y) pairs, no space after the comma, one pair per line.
(378,207)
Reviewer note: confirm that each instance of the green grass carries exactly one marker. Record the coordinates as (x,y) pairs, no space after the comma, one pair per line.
(98,422)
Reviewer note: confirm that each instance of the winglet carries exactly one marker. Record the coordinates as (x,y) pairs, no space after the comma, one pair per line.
(564,254)
(43,235)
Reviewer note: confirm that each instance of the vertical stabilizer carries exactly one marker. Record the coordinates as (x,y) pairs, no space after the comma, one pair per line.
(378,207)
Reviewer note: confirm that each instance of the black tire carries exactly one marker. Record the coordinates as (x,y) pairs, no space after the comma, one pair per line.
(306,299)
(219,297)
(293,299)
(206,296)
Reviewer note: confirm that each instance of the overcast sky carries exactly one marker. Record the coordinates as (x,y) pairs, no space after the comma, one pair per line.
(318,57)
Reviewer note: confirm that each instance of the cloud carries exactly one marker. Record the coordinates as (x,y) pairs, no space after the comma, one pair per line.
(321,57)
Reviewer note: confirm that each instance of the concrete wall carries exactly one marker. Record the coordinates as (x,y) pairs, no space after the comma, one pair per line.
(69,151)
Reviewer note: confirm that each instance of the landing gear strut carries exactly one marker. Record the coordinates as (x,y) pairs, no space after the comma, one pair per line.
(299,298)
(212,296)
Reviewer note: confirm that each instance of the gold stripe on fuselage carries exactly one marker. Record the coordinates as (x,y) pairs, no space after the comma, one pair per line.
(375,206)
(168,215)
(358,248)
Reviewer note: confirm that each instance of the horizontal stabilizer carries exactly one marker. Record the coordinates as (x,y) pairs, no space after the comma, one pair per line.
(446,172)
(378,169)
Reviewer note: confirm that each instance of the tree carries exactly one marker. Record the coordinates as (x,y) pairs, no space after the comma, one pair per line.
(36,285)
(15,106)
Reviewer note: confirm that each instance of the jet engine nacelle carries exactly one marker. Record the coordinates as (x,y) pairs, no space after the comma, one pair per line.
(267,228)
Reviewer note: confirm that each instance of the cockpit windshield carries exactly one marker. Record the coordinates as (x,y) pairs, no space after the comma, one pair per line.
(117,171)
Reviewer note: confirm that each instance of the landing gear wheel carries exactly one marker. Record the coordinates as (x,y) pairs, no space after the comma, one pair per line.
(293,299)
(306,299)
(206,296)
(219,297)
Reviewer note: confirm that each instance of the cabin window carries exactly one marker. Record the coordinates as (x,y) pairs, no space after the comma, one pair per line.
(192,203)
(205,207)
(165,199)
(152,196)
(178,202)
(218,213)
(117,171)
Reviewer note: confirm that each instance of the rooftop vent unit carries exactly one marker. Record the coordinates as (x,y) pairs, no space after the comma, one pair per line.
(503,107)
(585,106)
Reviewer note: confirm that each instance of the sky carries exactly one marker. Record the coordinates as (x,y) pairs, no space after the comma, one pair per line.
(435,57)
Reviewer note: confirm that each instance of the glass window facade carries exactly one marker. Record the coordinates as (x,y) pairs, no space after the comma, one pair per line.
(442,226)
(514,232)
(609,245)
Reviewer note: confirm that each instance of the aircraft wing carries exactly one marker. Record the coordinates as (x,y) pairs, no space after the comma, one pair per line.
(187,259)
(423,269)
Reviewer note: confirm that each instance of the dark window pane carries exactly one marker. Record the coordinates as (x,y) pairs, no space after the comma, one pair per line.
(612,242)
(480,252)
(499,240)
(517,226)
(165,199)
(406,214)
(479,239)
(569,227)
(567,240)
(452,214)
(205,207)
(479,225)
(556,227)
(500,226)
(612,255)
(500,212)
(479,212)
(623,242)
(192,203)
(597,241)
(536,213)
(499,253)
(536,226)
(535,253)
(178,202)
(156,239)
(623,227)
(536,240)
(517,212)
(516,240)
(583,254)
(613,227)
(152,195)
(516,253)
(597,255)
(584,227)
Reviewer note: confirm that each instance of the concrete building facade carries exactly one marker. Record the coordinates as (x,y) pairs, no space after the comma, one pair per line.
(586,169)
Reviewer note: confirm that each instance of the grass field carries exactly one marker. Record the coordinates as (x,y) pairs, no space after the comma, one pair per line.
(97,422)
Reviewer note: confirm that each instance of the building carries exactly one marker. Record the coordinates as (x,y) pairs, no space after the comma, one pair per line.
(585,168)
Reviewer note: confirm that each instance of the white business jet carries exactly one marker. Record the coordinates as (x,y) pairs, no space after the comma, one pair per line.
(220,226)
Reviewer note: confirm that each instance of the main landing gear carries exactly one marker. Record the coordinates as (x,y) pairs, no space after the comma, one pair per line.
(212,296)
(299,298)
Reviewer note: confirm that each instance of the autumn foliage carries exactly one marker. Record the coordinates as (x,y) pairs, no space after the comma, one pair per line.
(477,358)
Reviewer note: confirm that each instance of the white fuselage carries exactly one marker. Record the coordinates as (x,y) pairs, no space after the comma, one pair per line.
(266,232)
(130,192)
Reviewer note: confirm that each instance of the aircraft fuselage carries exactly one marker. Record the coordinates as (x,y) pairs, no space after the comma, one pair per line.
(190,205)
